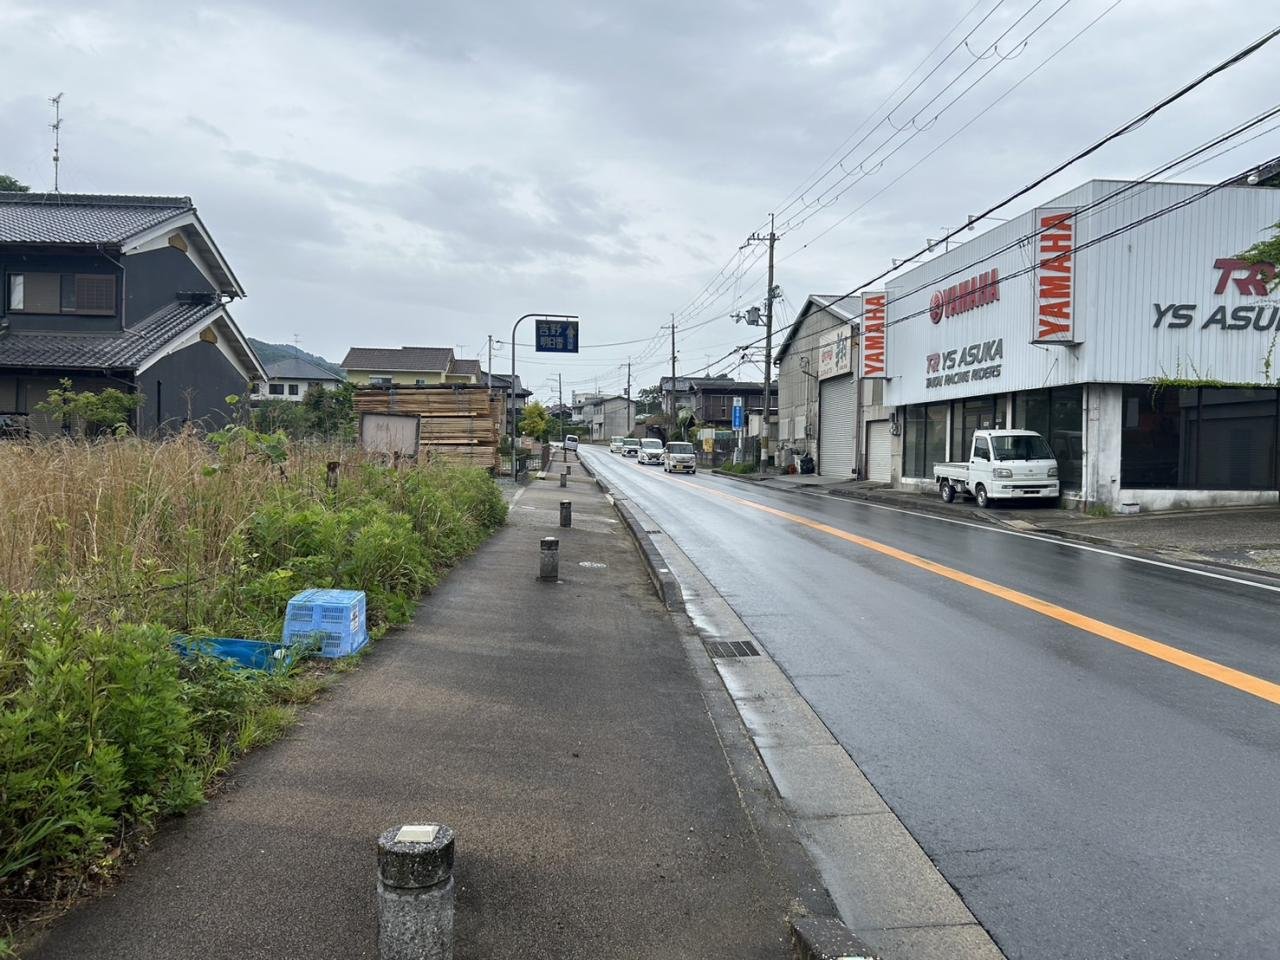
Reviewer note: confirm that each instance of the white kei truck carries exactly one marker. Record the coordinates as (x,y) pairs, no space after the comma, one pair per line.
(1003,465)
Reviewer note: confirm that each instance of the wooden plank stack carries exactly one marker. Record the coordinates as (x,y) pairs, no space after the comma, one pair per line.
(459,421)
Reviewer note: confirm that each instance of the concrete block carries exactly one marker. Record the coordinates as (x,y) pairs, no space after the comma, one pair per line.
(819,780)
(824,938)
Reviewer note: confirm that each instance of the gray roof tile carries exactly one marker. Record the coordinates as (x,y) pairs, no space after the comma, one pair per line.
(465,366)
(295,368)
(122,350)
(82,218)
(407,359)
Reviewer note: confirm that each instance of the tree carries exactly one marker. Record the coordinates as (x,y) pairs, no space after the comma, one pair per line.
(108,409)
(1267,251)
(535,421)
(12,185)
(649,400)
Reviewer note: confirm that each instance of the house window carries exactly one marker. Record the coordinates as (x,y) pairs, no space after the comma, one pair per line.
(76,293)
(379,381)
(293,389)
(419,382)
(276,389)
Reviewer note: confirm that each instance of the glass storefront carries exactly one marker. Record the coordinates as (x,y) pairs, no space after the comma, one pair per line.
(1199,438)
(1057,415)
(924,439)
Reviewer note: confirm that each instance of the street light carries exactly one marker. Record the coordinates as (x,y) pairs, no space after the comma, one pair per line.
(512,385)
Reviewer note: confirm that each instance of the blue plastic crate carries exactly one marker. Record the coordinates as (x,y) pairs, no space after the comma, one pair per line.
(333,620)
(241,654)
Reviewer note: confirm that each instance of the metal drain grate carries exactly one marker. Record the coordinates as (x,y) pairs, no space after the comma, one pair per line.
(731,648)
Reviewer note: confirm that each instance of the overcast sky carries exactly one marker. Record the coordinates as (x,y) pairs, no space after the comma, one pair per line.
(395,173)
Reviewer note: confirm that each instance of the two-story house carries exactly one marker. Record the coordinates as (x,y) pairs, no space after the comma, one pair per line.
(117,291)
(292,377)
(713,401)
(408,367)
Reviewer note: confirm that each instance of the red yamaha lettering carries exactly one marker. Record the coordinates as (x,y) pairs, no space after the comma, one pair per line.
(873,335)
(965,296)
(1055,288)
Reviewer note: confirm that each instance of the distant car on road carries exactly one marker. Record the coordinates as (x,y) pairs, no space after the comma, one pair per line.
(679,458)
(570,442)
(615,444)
(630,447)
(650,450)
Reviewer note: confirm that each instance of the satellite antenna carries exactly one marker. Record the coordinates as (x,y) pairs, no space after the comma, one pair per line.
(56,127)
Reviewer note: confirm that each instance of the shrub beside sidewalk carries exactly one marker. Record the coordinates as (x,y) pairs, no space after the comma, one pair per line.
(107,551)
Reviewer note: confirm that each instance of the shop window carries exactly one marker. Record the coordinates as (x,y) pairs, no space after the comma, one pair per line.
(967,416)
(1058,416)
(1206,439)
(924,439)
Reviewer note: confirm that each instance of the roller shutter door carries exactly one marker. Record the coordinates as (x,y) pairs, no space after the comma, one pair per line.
(879,451)
(835,427)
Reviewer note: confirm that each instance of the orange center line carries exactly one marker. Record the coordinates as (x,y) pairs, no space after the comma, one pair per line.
(1237,679)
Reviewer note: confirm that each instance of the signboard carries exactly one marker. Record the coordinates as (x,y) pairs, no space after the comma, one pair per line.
(971,363)
(835,352)
(873,336)
(1055,296)
(390,433)
(1239,280)
(737,413)
(556,336)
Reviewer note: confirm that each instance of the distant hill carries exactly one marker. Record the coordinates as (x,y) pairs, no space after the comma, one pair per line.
(273,352)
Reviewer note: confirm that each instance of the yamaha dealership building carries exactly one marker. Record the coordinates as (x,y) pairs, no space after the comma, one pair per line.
(1118,320)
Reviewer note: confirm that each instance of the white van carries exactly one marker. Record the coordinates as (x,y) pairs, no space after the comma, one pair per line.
(570,442)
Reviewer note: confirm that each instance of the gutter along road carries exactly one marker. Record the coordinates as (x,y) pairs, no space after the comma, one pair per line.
(1086,745)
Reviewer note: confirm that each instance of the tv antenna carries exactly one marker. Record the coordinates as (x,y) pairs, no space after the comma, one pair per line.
(56,127)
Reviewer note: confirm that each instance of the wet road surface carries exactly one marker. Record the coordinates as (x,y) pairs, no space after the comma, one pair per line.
(1087,799)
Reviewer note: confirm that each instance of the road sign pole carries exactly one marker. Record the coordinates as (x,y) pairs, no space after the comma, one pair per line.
(512,385)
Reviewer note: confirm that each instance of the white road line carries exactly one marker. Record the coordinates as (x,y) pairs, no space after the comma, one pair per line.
(1088,548)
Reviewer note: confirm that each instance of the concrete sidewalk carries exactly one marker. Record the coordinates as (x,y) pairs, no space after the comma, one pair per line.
(560,729)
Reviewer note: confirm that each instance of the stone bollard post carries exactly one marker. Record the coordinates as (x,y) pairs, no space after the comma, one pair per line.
(564,480)
(568,469)
(415,893)
(549,559)
(566,513)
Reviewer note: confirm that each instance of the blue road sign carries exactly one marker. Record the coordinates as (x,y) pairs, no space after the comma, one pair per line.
(737,413)
(556,336)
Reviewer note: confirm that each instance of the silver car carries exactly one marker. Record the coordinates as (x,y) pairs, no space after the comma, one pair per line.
(650,450)
(679,457)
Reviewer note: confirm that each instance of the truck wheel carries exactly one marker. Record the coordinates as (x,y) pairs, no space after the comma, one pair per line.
(981,493)
(948,491)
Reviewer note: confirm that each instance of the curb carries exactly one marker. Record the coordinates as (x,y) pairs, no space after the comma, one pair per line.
(742,477)
(664,582)
(822,938)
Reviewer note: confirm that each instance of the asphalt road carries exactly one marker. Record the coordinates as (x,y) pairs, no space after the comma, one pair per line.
(1087,799)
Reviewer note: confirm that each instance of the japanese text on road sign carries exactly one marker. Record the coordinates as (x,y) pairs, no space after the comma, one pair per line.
(556,336)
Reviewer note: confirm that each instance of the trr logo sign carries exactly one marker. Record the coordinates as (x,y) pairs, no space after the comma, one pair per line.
(1256,281)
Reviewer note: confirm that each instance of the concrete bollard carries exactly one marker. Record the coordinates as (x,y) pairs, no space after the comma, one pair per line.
(415,893)
(566,513)
(564,480)
(568,469)
(549,559)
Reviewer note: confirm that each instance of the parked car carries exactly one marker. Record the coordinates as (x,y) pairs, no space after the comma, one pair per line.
(650,450)
(615,444)
(679,458)
(570,442)
(630,447)
(1003,464)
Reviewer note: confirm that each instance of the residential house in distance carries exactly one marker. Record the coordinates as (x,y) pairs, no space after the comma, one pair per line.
(408,367)
(290,379)
(117,291)
(609,417)
(501,387)
(712,401)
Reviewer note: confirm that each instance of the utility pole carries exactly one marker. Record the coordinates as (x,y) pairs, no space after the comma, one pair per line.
(564,454)
(673,371)
(766,453)
(630,419)
(771,239)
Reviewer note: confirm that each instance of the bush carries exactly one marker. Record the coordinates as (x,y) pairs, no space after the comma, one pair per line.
(107,550)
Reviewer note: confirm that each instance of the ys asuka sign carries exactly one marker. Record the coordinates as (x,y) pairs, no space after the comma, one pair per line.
(1247,281)
(971,363)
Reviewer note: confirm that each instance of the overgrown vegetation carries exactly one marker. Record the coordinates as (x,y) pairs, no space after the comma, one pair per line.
(739,468)
(94,411)
(321,414)
(110,549)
